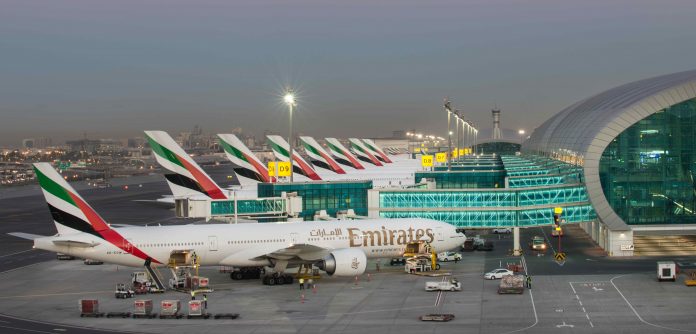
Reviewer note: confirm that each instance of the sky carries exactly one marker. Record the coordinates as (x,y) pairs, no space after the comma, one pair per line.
(362,68)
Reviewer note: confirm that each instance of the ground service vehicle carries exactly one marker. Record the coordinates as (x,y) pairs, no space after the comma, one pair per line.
(666,271)
(511,284)
(451,285)
(247,273)
(498,273)
(449,256)
(502,231)
(538,243)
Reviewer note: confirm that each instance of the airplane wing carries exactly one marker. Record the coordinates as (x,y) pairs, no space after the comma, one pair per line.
(305,252)
(27,236)
(74,243)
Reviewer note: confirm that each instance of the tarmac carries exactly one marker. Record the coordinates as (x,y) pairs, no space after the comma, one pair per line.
(588,293)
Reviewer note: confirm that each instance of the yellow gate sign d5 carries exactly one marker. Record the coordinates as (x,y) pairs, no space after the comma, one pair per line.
(441,157)
(427,161)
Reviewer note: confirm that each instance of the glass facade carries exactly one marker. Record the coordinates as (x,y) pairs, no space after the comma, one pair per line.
(647,172)
(462,180)
(247,207)
(330,196)
(497,148)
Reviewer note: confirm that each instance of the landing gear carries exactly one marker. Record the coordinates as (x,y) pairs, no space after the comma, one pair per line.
(277,279)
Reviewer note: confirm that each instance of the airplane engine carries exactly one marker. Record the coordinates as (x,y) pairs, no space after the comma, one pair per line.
(345,262)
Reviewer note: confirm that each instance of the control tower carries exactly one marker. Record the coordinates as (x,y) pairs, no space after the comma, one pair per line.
(497,134)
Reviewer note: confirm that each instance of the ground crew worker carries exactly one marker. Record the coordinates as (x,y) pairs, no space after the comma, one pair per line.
(456,258)
(301,283)
(205,301)
(529,281)
(377,264)
(193,295)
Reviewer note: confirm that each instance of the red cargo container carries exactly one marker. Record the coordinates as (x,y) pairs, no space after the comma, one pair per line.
(89,308)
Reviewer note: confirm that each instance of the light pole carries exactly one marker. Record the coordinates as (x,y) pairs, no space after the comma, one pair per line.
(456,125)
(289,99)
(449,133)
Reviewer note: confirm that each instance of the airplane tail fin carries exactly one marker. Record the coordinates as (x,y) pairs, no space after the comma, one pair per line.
(376,151)
(248,166)
(72,214)
(362,152)
(281,150)
(187,178)
(319,156)
(342,154)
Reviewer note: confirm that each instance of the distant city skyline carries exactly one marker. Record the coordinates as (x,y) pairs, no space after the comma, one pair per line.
(361,68)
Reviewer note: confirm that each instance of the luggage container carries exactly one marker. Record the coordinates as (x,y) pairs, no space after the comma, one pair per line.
(170,309)
(196,310)
(666,271)
(196,282)
(90,308)
(511,284)
(143,309)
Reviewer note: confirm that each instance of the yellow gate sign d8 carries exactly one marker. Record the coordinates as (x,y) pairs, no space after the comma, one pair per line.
(427,161)
(271,168)
(441,157)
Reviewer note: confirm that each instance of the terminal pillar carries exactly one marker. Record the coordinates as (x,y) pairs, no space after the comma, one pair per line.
(516,249)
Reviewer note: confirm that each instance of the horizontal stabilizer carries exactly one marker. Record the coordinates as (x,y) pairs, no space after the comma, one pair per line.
(27,236)
(75,243)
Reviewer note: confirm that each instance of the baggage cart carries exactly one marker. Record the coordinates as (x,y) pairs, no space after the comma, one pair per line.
(511,284)
(143,309)
(118,315)
(90,308)
(170,309)
(196,310)
(226,316)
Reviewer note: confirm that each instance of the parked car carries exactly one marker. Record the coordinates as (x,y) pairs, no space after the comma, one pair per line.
(487,246)
(497,273)
(449,256)
(61,256)
(502,230)
(92,262)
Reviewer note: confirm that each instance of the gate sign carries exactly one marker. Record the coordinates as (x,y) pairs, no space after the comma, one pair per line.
(441,157)
(284,168)
(271,168)
(627,247)
(427,161)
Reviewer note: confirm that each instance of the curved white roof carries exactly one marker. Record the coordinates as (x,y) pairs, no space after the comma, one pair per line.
(580,133)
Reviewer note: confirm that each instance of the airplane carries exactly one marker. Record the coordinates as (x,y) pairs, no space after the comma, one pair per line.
(250,170)
(302,170)
(340,248)
(376,151)
(319,156)
(342,154)
(362,152)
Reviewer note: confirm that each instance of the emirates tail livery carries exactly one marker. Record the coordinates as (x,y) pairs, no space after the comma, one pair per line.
(342,154)
(319,156)
(250,170)
(362,152)
(281,150)
(338,247)
(187,178)
(376,151)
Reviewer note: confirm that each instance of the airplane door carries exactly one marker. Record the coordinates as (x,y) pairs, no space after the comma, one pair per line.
(439,235)
(212,243)
(293,238)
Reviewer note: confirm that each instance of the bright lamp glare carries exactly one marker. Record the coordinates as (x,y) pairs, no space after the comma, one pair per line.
(289,98)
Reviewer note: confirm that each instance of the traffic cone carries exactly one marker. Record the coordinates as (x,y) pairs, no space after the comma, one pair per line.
(314,288)
(369,277)
(356,280)
(302,298)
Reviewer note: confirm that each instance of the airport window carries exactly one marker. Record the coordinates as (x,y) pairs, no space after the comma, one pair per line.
(647,171)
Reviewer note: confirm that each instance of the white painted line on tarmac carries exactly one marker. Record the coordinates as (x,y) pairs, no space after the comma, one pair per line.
(587,315)
(638,315)
(24,251)
(531,296)
(11,270)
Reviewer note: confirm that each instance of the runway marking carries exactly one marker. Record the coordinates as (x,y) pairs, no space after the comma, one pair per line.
(29,265)
(577,297)
(24,251)
(531,296)
(636,312)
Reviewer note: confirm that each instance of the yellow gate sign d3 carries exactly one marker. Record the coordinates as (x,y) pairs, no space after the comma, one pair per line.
(441,157)
(284,168)
(427,161)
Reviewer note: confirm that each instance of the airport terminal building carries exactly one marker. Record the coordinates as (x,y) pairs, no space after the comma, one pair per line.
(636,145)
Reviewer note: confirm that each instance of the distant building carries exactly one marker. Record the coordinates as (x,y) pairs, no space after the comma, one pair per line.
(28,143)
(136,142)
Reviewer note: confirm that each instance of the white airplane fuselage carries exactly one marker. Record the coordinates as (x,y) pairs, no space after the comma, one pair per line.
(248,244)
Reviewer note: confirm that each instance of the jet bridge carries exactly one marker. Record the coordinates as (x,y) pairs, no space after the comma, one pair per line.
(287,205)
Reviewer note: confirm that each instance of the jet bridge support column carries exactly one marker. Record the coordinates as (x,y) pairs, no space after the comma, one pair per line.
(516,249)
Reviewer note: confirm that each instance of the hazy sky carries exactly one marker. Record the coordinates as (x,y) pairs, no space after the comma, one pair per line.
(114,68)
